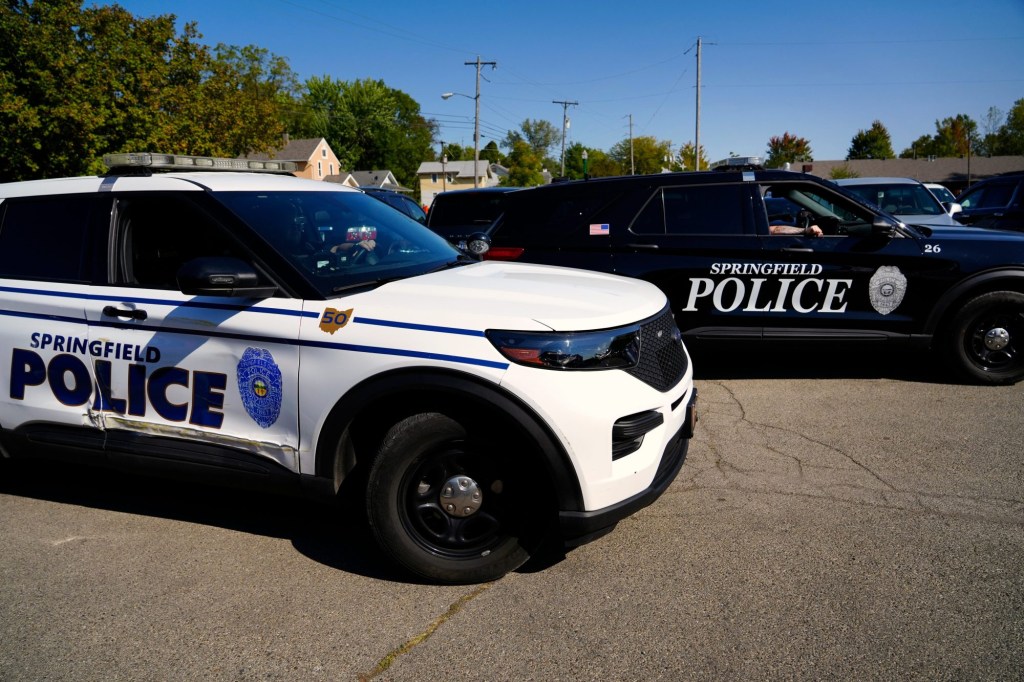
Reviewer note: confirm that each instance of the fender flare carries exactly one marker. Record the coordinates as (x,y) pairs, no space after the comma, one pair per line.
(405,384)
(983,281)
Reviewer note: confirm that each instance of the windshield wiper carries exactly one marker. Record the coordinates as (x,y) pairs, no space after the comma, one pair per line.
(365,283)
(461,259)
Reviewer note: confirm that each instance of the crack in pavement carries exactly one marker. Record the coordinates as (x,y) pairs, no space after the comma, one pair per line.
(779,460)
(386,662)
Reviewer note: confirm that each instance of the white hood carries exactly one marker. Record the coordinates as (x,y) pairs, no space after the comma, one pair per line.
(500,295)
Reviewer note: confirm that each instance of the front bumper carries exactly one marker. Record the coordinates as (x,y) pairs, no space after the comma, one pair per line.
(578,527)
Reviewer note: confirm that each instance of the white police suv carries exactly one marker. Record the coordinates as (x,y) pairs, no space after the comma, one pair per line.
(264,329)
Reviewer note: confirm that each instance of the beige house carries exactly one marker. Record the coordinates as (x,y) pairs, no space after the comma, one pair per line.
(436,177)
(314,159)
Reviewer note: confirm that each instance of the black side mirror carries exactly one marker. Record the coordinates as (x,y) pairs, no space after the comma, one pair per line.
(883,227)
(478,244)
(221,276)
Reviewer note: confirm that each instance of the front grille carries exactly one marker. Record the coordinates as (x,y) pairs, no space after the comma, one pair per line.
(662,358)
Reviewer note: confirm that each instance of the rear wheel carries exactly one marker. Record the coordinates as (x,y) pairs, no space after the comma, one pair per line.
(987,338)
(448,507)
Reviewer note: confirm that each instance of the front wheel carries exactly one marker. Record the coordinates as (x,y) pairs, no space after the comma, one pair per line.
(447,507)
(987,338)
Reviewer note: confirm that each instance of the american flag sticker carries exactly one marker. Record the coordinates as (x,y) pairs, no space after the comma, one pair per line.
(599,228)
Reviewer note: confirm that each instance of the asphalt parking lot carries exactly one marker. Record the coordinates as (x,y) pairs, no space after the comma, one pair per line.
(838,517)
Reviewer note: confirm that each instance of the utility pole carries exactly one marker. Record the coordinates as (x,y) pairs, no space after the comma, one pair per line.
(632,165)
(565,124)
(476,119)
(696,135)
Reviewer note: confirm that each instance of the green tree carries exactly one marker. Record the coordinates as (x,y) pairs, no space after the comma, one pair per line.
(843,171)
(643,155)
(491,153)
(77,83)
(953,136)
(456,152)
(409,142)
(990,141)
(921,147)
(1010,138)
(787,149)
(368,125)
(873,143)
(525,166)
(243,94)
(599,164)
(689,157)
(542,136)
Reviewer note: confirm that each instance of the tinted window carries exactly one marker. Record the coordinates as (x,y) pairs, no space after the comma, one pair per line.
(47,239)
(403,203)
(468,208)
(559,213)
(160,233)
(990,195)
(709,209)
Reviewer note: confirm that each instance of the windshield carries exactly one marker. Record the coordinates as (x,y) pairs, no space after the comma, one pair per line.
(341,239)
(942,194)
(899,199)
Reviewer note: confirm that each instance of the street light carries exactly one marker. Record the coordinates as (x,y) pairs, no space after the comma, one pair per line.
(476,129)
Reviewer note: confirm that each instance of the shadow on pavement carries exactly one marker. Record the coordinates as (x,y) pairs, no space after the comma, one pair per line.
(330,533)
(783,360)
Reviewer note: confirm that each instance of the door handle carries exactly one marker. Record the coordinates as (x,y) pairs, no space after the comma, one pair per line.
(795,250)
(131,314)
(641,246)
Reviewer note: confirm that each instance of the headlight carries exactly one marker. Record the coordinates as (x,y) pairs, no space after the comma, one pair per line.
(607,349)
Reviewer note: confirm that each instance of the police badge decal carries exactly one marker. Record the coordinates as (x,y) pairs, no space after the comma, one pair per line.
(259,383)
(886,289)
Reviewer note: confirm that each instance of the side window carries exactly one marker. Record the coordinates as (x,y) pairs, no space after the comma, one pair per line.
(992,195)
(159,233)
(697,210)
(801,204)
(48,238)
(562,215)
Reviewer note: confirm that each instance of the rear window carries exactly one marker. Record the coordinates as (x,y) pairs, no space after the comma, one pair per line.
(696,210)
(47,239)
(560,214)
(465,208)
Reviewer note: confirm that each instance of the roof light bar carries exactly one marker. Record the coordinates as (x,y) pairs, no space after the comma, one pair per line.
(738,162)
(184,162)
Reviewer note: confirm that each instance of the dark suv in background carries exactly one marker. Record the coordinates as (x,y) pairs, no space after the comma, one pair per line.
(397,200)
(711,241)
(458,214)
(994,202)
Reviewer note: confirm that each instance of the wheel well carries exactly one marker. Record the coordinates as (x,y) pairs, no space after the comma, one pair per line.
(954,299)
(359,421)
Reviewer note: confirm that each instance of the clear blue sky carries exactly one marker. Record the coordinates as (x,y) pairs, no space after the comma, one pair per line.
(821,70)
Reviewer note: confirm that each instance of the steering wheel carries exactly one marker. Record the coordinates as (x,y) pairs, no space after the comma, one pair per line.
(805,218)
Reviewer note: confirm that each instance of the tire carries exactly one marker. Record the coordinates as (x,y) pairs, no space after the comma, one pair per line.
(449,508)
(986,340)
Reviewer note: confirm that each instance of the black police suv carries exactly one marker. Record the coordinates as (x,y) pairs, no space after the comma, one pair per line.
(738,263)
